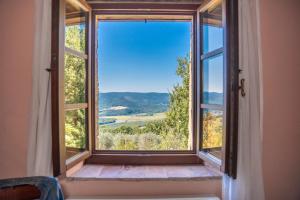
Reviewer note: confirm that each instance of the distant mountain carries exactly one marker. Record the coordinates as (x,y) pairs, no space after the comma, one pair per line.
(127,103)
(213,98)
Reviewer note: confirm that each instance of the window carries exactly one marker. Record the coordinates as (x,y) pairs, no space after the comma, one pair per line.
(212,81)
(144,83)
(144,95)
(75,81)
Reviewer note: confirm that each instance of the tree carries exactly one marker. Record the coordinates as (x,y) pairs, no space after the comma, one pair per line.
(177,120)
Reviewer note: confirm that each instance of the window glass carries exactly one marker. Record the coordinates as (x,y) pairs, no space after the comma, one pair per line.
(212,128)
(75,79)
(213,92)
(75,36)
(75,27)
(75,128)
(212,34)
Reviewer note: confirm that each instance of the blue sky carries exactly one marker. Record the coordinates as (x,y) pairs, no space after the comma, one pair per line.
(141,57)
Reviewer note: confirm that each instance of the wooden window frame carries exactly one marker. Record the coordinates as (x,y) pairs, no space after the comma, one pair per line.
(58,51)
(230,51)
(142,157)
(146,157)
(204,56)
(82,153)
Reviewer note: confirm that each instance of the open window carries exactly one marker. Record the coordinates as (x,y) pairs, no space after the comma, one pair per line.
(212,81)
(70,83)
(76,93)
(144,83)
(144,97)
(218,80)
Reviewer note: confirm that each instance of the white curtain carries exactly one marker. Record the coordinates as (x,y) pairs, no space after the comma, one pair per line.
(249,182)
(39,161)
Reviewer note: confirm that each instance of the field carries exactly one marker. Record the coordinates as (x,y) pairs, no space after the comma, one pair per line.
(130,120)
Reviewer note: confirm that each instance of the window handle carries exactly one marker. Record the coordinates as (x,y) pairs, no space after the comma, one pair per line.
(242,87)
(49,69)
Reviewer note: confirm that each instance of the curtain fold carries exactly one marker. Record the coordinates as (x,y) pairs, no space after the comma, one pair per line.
(39,160)
(249,182)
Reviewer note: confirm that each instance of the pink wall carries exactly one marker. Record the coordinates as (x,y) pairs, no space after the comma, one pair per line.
(16,43)
(280,22)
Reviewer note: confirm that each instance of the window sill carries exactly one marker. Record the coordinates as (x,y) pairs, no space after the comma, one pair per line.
(144,173)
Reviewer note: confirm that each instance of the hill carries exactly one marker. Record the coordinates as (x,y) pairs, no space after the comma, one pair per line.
(128,103)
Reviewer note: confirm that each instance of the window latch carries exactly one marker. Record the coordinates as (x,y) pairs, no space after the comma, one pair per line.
(49,69)
(242,87)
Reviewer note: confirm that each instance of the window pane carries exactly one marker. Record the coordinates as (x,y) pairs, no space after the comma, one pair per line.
(75,79)
(75,31)
(212,128)
(75,130)
(143,86)
(213,79)
(212,35)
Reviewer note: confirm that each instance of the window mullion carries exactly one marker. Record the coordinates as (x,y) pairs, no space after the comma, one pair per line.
(76,106)
(76,53)
(212,53)
(212,106)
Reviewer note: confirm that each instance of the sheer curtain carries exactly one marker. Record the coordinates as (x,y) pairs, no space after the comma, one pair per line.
(249,182)
(39,161)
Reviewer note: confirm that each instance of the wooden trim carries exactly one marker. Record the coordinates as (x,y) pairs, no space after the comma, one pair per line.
(144,7)
(141,17)
(198,75)
(210,160)
(71,162)
(124,152)
(76,53)
(200,81)
(57,59)
(74,149)
(82,4)
(225,119)
(232,70)
(89,80)
(209,4)
(76,106)
(212,53)
(61,83)
(94,93)
(141,12)
(54,88)
(197,2)
(142,159)
(194,71)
